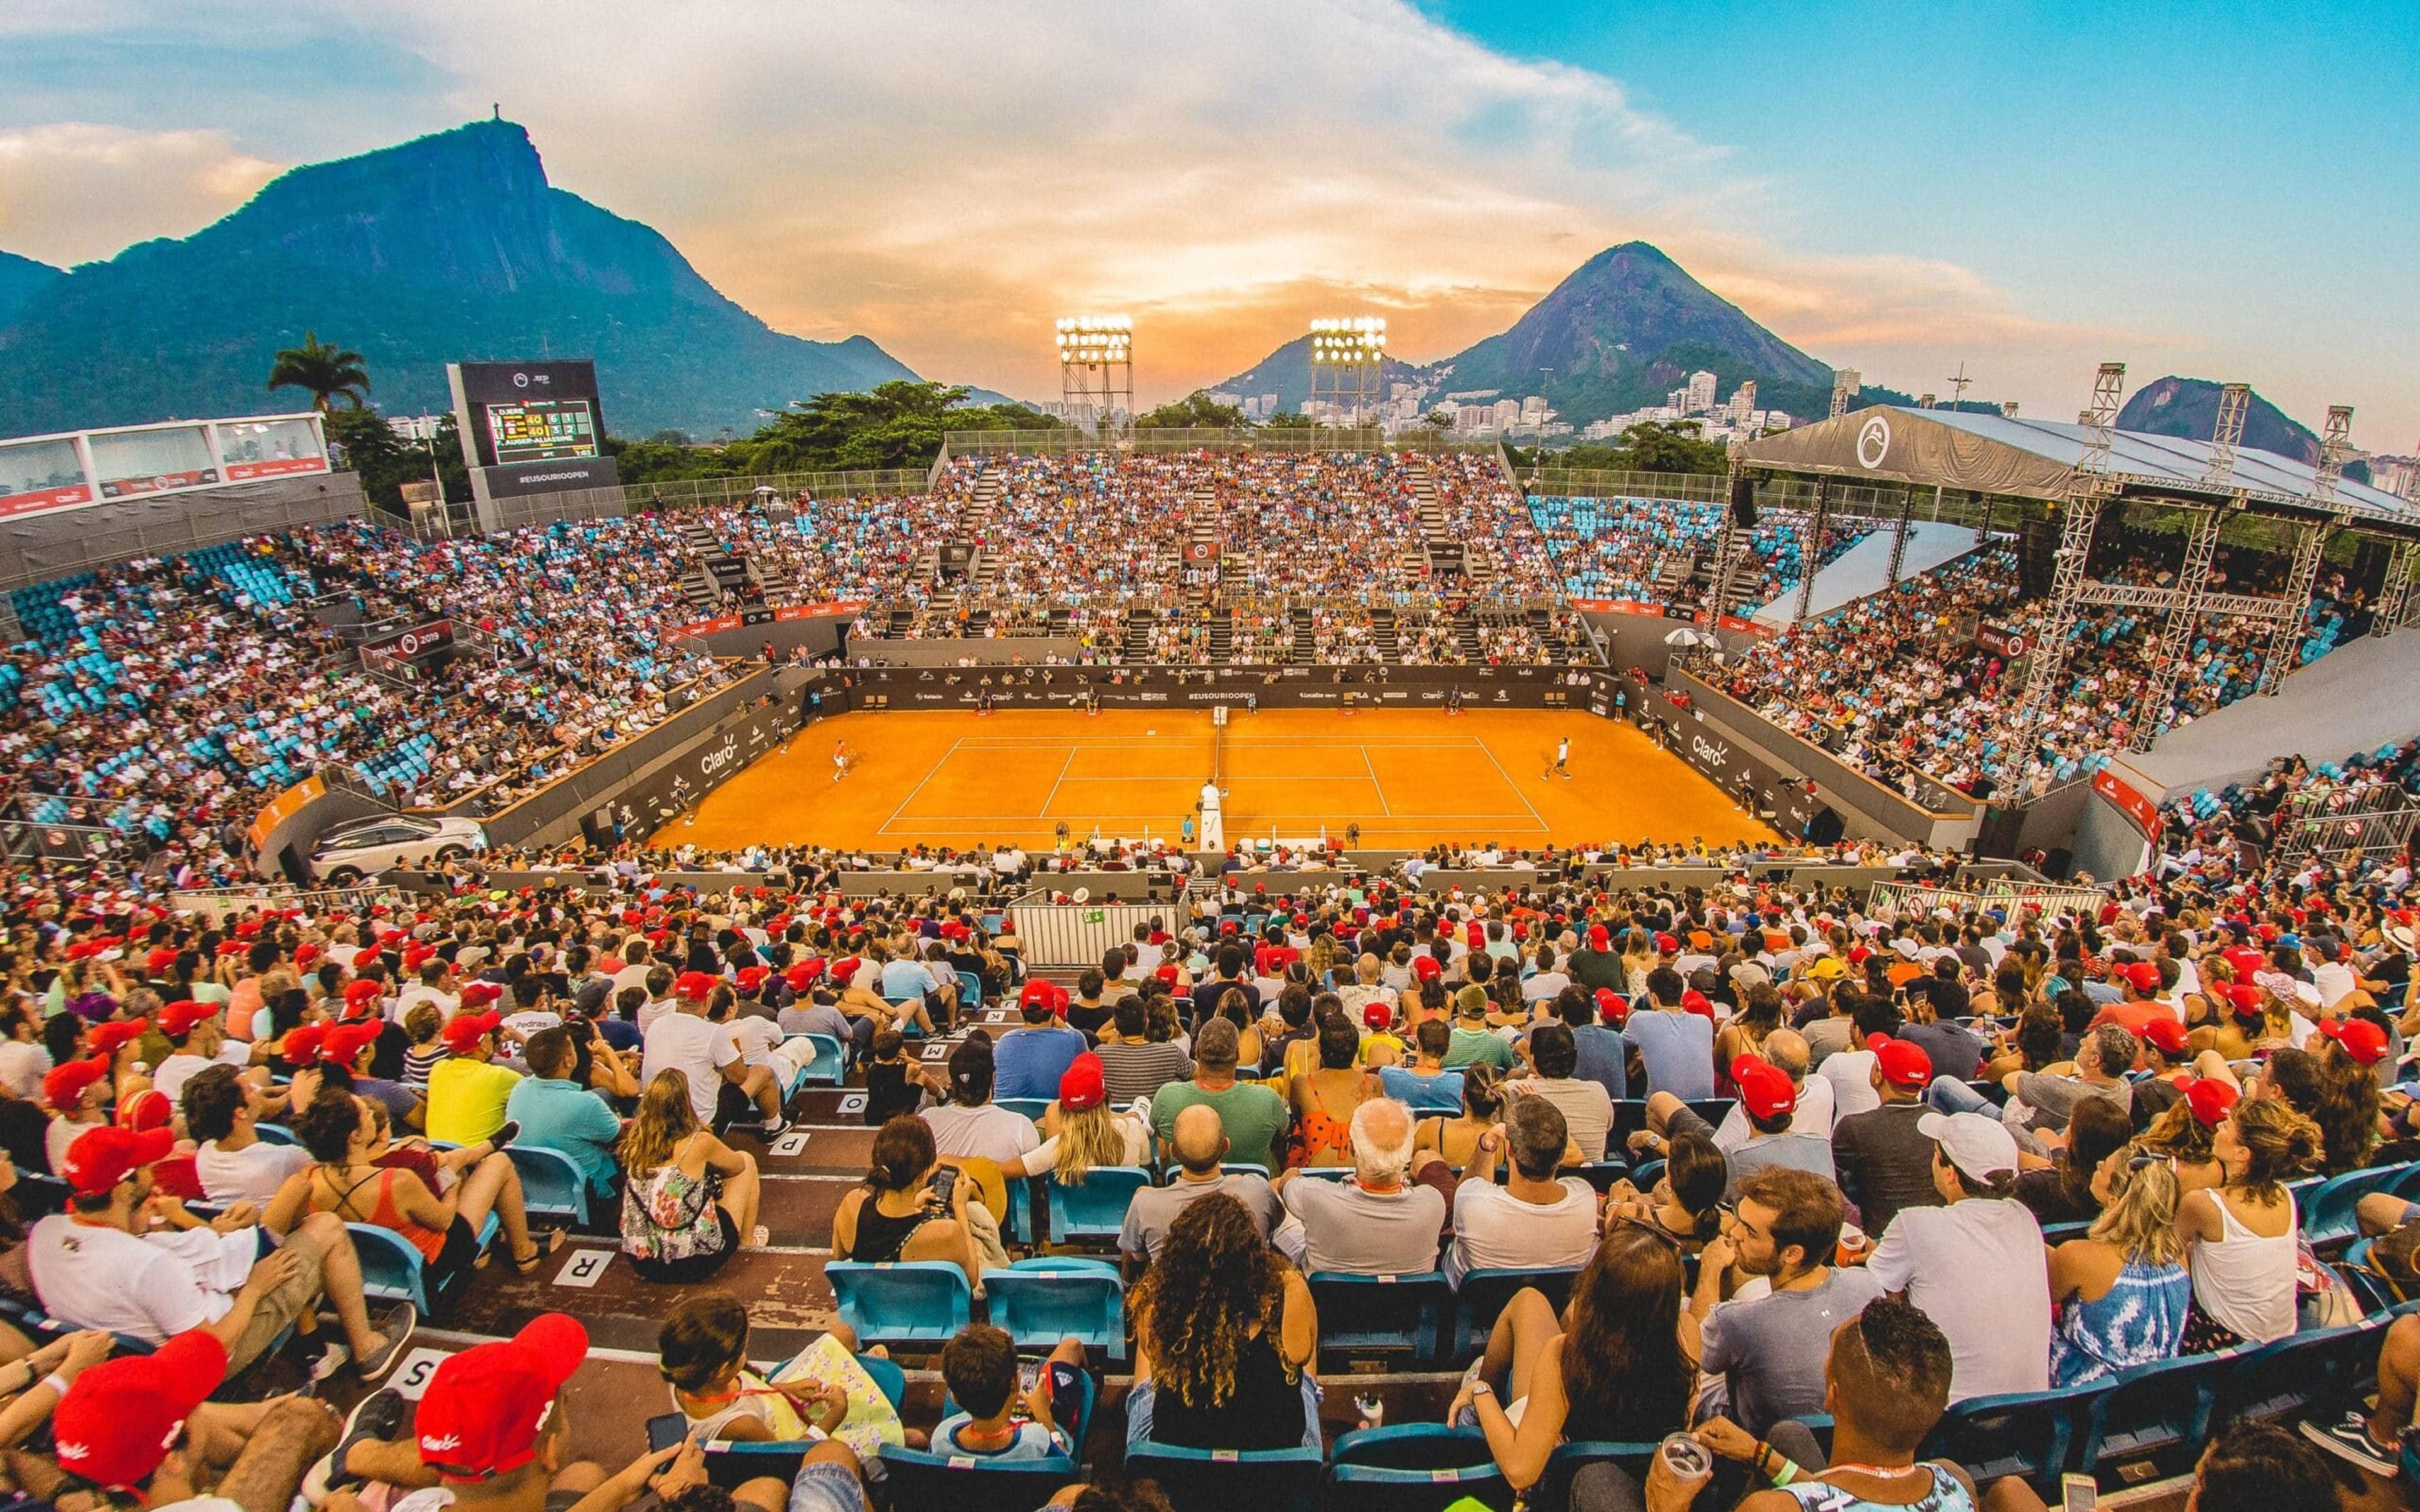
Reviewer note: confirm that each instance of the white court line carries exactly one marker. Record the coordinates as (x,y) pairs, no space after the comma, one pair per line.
(1516,788)
(1376,786)
(1063,776)
(931,773)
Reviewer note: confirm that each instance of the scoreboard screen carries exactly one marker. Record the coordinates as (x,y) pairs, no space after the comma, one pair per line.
(541,430)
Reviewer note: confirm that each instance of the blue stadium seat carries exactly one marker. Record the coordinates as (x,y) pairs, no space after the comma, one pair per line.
(1482,1295)
(1094,1209)
(963,1483)
(1047,1298)
(2328,1212)
(2157,1414)
(904,1302)
(830,1065)
(2298,1375)
(2034,1435)
(1390,1313)
(392,1270)
(732,1465)
(1413,1467)
(1223,1480)
(552,1188)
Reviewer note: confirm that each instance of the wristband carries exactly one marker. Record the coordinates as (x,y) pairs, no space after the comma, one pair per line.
(54,1382)
(1784,1470)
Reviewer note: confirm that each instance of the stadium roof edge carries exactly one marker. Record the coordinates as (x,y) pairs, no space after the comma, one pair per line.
(2029,458)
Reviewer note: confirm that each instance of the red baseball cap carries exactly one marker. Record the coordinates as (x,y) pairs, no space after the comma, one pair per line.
(1765,1089)
(1169,972)
(464,1031)
(480,993)
(2165,1035)
(2143,975)
(1904,1062)
(1667,945)
(694,985)
(846,968)
(1598,938)
(146,1109)
(1080,1086)
(2244,997)
(363,990)
(103,1156)
(2211,1099)
(345,1042)
(484,1408)
(1425,967)
(802,975)
(1694,1001)
(1376,1014)
(301,1045)
(2360,1038)
(160,959)
(122,1417)
(109,1038)
(751,977)
(180,1016)
(1612,1007)
(66,1084)
(1038,993)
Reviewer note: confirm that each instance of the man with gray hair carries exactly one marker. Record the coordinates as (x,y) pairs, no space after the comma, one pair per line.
(1388,1219)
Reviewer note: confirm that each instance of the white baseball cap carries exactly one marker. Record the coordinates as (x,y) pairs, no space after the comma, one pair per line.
(1975,1143)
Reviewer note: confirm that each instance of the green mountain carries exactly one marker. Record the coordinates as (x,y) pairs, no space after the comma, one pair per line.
(452,247)
(2188,408)
(1626,328)
(19,278)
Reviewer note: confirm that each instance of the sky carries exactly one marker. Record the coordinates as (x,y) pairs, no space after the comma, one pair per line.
(2220,190)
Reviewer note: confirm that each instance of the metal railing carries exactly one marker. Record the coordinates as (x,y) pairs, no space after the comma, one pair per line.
(1075,935)
(679,494)
(218,903)
(1596,483)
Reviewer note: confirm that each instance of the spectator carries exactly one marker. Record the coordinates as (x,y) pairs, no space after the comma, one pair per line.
(91,1269)
(1609,1367)
(689,1200)
(1952,1260)
(1134,1064)
(553,1111)
(1685,1203)
(1200,1144)
(1473,1043)
(2259,1467)
(2065,1190)
(904,1211)
(701,1352)
(1457,1140)
(1770,1101)
(2372,1435)
(1387,1219)
(1028,1060)
(707,1058)
(1533,1221)
(1325,1100)
(467,1090)
(1887,1379)
(1224,1336)
(1884,1160)
(1425,1086)
(979,1366)
(337,1130)
(1768,1350)
(2121,1291)
(2238,1237)
(1587,1110)
(1253,1116)
(1603,1054)
(971,1125)
(1675,1046)
(143,1428)
(1085,1133)
(233,1162)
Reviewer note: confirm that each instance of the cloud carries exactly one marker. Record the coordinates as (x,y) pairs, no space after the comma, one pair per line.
(72,191)
(951,175)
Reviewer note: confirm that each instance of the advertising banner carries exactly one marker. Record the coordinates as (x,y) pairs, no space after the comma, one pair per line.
(420,640)
(2139,811)
(2002,640)
(761,615)
(284,807)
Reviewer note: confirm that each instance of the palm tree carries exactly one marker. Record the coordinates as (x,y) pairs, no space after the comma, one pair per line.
(328,372)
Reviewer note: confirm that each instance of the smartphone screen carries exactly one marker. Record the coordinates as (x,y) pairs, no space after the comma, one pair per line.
(2078,1494)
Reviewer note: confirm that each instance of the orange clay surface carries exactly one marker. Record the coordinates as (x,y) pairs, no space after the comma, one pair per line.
(1408,778)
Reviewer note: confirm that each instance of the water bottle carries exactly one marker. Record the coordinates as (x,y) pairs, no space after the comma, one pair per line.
(1373,1408)
(1685,1458)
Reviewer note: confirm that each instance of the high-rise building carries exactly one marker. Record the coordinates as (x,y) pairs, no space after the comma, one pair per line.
(1700,394)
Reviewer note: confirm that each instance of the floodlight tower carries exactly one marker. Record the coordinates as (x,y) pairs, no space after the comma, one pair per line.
(1346,355)
(1096,372)
(1845,384)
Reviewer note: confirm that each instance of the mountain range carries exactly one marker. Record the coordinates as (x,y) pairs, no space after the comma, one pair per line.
(1625,329)
(2188,408)
(444,249)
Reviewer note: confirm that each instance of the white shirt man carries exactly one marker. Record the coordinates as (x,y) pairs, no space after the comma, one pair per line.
(688,1044)
(1533,1221)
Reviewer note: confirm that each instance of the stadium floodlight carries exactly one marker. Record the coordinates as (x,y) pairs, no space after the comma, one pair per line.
(1096,371)
(1347,358)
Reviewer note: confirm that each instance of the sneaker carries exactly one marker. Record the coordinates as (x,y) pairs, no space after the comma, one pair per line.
(776,1129)
(393,1334)
(505,1135)
(376,1418)
(2348,1437)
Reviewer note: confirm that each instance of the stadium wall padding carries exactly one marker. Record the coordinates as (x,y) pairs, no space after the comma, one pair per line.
(1066,688)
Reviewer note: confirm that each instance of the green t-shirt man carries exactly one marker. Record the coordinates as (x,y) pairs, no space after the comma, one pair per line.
(1473,1042)
(1253,1116)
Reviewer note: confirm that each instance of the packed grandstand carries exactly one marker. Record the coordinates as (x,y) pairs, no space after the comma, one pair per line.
(1474,1170)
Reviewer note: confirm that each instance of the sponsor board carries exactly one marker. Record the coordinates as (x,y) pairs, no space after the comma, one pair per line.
(2139,811)
(276,467)
(41,498)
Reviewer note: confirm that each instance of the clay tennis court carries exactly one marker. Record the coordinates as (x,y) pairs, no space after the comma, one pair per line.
(1408,778)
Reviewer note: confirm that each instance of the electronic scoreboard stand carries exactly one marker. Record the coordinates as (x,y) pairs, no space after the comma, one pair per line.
(528,428)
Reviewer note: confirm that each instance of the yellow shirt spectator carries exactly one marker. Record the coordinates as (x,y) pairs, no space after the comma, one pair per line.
(466,1098)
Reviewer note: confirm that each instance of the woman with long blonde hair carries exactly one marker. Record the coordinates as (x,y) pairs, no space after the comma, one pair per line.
(692,1199)
(1639,958)
(1083,1130)
(2122,1290)
(1224,1336)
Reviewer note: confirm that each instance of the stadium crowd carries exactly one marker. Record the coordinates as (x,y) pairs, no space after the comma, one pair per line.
(1766,1154)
